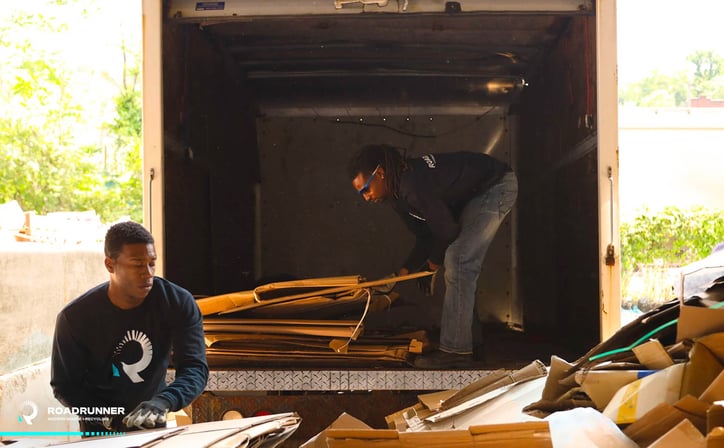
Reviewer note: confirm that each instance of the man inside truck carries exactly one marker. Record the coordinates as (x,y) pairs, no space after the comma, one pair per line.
(454,204)
(112,344)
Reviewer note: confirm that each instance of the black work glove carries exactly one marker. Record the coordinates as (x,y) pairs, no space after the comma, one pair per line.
(427,284)
(113,423)
(387,287)
(148,414)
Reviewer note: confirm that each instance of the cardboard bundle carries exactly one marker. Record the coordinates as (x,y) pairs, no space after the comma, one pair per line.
(268,325)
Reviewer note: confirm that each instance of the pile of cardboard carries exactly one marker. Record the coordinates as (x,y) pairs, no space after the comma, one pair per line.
(268,325)
(658,382)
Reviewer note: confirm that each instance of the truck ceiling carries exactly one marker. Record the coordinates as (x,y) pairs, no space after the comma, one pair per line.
(436,55)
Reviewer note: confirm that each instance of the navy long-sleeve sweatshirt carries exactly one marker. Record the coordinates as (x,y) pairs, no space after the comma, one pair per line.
(105,356)
(432,193)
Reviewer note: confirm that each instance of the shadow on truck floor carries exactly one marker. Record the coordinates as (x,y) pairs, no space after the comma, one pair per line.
(510,349)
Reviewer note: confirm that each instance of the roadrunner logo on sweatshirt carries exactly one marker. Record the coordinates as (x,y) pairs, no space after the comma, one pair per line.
(132,370)
(430,161)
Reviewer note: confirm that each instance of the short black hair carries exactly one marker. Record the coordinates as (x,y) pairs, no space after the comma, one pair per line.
(127,232)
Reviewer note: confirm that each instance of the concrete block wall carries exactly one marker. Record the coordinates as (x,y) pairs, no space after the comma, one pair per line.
(36,281)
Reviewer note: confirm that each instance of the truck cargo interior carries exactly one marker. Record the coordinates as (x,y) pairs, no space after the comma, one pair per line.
(262,109)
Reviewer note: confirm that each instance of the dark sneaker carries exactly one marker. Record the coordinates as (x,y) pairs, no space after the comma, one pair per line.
(443,360)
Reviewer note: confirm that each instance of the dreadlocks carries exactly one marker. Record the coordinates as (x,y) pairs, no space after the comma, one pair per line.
(366,159)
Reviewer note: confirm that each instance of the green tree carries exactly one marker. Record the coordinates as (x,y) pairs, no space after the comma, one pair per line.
(660,90)
(122,171)
(37,121)
(657,90)
(707,68)
(42,163)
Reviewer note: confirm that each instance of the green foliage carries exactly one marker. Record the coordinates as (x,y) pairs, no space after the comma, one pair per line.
(708,64)
(657,90)
(661,90)
(127,129)
(38,172)
(671,237)
(707,70)
(42,164)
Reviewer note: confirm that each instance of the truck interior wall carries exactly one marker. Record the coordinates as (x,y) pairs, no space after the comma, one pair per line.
(314,223)
(210,165)
(558,219)
(218,148)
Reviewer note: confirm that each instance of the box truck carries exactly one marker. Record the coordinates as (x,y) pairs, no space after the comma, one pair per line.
(253,107)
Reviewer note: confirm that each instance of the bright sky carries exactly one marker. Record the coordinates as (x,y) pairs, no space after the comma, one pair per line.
(91,51)
(660,166)
(659,34)
(652,34)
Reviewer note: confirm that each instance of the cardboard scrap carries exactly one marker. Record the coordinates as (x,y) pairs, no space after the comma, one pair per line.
(715,417)
(704,364)
(400,419)
(663,417)
(216,304)
(653,355)
(497,379)
(637,398)
(715,438)
(559,369)
(330,328)
(434,400)
(676,406)
(682,435)
(695,322)
(343,421)
(602,385)
(715,390)
(428,404)
(512,435)
(505,408)
(328,291)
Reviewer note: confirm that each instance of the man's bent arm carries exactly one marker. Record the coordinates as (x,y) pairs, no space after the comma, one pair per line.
(67,368)
(189,360)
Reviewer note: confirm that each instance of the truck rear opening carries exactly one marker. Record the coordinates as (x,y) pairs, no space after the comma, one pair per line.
(263,102)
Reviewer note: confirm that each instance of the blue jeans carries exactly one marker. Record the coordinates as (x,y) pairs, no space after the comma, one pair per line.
(479,221)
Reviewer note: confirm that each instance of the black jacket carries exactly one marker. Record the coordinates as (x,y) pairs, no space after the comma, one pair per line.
(432,193)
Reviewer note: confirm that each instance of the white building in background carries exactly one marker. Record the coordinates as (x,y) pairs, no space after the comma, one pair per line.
(671,157)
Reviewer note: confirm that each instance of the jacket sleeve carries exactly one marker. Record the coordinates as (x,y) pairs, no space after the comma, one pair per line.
(66,371)
(423,239)
(189,357)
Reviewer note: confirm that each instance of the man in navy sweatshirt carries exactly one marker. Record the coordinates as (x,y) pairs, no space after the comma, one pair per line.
(113,344)
(454,204)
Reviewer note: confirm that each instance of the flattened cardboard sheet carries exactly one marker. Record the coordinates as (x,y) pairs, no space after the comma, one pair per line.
(602,385)
(634,400)
(684,434)
(653,355)
(697,321)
